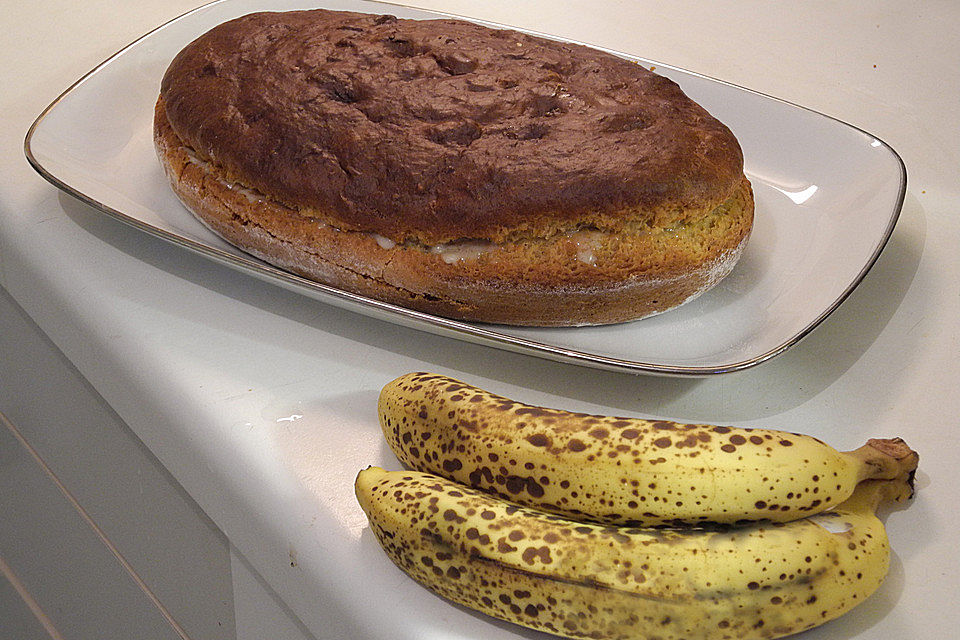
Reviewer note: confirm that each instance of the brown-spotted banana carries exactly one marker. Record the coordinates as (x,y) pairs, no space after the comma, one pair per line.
(621,470)
(763,580)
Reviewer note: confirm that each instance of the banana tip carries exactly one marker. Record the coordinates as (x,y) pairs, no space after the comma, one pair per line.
(896,457)
(896,448)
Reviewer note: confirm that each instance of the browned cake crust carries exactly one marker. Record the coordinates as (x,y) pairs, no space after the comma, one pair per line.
(458,170)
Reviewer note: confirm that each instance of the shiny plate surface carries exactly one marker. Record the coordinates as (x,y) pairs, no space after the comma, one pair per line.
(828,196)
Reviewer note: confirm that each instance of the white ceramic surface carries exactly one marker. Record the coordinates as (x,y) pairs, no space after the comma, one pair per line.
(828,196)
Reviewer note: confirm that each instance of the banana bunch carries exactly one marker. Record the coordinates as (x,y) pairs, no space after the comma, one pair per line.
(579,565)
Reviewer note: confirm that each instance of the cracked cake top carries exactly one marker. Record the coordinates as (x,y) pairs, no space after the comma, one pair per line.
(439,130)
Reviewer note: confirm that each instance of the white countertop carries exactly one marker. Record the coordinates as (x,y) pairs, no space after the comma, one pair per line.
(262,402)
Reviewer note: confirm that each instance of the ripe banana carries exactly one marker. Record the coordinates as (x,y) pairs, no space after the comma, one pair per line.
(600,581)
(621,470)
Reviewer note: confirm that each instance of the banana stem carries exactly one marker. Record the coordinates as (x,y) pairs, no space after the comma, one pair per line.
(870,494)
(885,459)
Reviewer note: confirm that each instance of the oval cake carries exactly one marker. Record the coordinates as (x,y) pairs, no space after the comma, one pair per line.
(454,169)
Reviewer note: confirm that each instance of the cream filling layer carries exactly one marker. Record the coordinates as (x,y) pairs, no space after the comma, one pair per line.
(586,241)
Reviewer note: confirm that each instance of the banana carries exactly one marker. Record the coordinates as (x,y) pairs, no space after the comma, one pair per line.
(621,470)
(542,571)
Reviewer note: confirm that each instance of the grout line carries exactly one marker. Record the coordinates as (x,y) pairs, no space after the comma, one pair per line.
(29,600)
(96,529)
